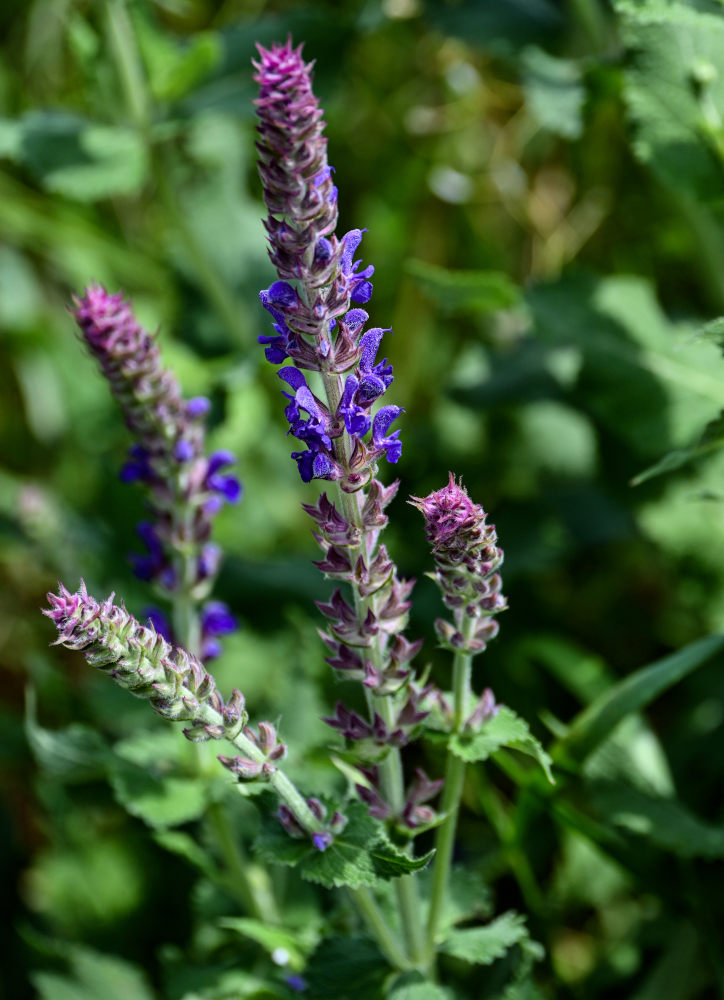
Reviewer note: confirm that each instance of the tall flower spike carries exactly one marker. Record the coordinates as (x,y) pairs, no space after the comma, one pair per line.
(319,327)
(315,325)
(186,487)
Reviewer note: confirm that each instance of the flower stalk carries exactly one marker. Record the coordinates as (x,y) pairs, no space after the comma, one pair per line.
(320,327)
(467,559)
(178,688)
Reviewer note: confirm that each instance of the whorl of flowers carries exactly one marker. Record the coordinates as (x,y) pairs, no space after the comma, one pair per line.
(467,557)
(315,325)
(186,487)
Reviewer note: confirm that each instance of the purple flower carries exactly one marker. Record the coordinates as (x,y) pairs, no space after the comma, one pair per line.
(319,278)
(216,620)
(159,620)
(389,444)
(226,487)
(184,489)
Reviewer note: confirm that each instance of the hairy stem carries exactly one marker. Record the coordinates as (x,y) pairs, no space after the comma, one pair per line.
(380,929)
(452,795)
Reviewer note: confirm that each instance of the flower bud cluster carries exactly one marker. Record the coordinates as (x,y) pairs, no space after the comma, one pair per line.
(186,487)
(315,324)
(272,749)
(415,815)
(140,660)
(467,558)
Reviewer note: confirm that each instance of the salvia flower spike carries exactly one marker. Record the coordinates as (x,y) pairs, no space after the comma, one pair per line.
(315,306)
(178,687)
(185,486)
(334,383)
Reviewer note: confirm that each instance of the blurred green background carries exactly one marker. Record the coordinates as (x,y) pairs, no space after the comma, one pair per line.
(543,185)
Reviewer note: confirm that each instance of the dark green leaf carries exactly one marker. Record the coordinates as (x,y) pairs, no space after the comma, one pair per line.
(76,753)
(595,722)
(483,945)
(346,969)
(664,822)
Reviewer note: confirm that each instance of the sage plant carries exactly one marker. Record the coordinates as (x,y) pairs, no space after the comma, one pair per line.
(334,388)
(321,330)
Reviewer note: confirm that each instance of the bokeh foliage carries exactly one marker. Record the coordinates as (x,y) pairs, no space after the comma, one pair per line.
(543,185)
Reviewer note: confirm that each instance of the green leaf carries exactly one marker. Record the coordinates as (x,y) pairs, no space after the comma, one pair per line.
(664,822)
(270,938)
(147,779)
(76,753)
(554,93)
(711,440)
(158,801)
(483,945)
(346,969)
(180,843)
(76,158)
(391,862)
(673,88)
(632,694)
(359,855)
(465,291)
(413,986)
(642,377)
(92,976)
(506,729)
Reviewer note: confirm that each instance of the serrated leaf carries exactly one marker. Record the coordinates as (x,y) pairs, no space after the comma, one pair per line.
(77,158)
(632,694)
(483,945)
(160,801)
(663,821)
(506,729)
(465,291)
(675,76)
(390,862)
(358,856)
(76,753)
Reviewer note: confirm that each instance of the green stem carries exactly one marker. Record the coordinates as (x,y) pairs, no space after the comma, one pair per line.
(248,881)
(452,795)
(391,773)
(378,926)
(128,63)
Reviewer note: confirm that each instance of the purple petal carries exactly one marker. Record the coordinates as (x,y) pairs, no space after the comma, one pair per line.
(350,242)
(282,295)
(198,406)
(292,376)
(217,619)
(218,459)
(183,451)
(228,486)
